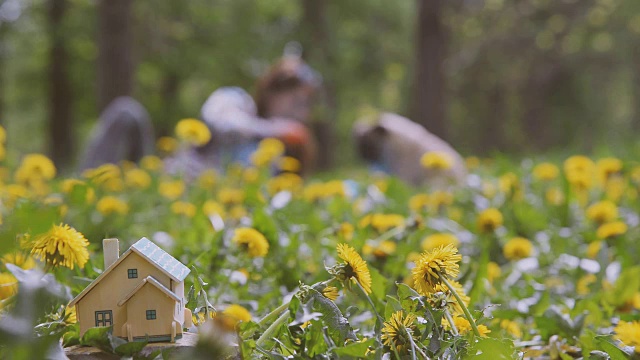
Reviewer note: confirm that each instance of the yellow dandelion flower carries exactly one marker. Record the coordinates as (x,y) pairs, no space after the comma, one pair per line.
(109,205)
(489,220)
(607,167)
(384,249)
(272,146)
(211,207)
(629,334)
(166,144)
(356,267)
(71,317)
(183,208)
(252,241)
(35,167)
(137,179)
(464,327)
(8,285)
(382,222)
(290,164)
(171,189)
(398,330)
(231,196)
(554,196)
(451,303)
(443,260)
(436,240)
(419,202)
(151,163)
(440,199)
(545,171)
(19,259)
(330,292)
(611,230)
(512,328)
(345,231)
(284,182)
(582,286)
(207,179)
(193,131)
(509,183)
(61,245)
(437,160)
(602,212)
(237,212)
(593,249)
(233,315)
(493,271)
(578,163)
(250,175)
(517,248)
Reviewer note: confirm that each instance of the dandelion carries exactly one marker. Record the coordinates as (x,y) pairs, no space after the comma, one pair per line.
(137,179)
(602,212)
(290,164)
(231,196)
(380,250)
(464,326)
(250,175)
(493,271)
(207,179)
(61,245)
(593,249)
(436,160)
(166,144)
(607,167)
(183,208)
(442,261)
(443,298)
(171,189)
(554,196)
(109,205)
(193,132)
(489,220)
(8,285)
(545,171)
(382,222)
(353,268)
(233,315)
(252,241)
(345,231)
(211,207)
(629,334)
(511,327)
(19,259)
(151,163)
(611,230)
(436,240)
(517,248)
(399,331)
(419,202)
(35,167)
(284,182)
(331,293)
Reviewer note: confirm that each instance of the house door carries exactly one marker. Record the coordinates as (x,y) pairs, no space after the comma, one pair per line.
(104,318)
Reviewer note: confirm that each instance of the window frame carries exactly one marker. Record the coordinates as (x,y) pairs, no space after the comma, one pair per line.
(151,314)
(132,273)
(103,318)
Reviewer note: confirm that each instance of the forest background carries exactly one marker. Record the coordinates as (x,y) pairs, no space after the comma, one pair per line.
(518,77)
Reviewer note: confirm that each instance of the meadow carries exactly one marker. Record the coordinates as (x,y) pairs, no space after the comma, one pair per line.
(526,260)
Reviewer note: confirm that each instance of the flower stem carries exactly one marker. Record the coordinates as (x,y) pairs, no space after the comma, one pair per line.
(414,347)
(274,313)
(272,329)
(467,314)
(450,320)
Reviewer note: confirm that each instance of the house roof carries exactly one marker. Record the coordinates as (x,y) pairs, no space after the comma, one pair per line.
(152,253)
(170,265)
(152,281)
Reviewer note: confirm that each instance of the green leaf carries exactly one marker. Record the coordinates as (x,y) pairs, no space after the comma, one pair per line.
(130,348)
(357,349)
(378,283)
(98,337)
(493,349)
(404,291)
(616,354)
(391,307)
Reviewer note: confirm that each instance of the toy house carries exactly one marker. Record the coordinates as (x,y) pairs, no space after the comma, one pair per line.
(140,294)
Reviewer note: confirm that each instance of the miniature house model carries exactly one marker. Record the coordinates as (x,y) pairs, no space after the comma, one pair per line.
(140,294)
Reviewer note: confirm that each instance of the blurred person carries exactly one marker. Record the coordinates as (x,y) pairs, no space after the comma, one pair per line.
(124,132)
(398,146)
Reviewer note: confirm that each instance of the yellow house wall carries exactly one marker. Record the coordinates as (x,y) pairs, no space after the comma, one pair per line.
(112,288)
(150,298)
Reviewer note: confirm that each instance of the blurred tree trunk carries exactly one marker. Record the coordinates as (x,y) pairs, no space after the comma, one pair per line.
(429,106)
(115,60)
(317,51)
(61,134)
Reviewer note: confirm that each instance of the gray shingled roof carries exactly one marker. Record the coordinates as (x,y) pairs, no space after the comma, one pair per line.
(161,258)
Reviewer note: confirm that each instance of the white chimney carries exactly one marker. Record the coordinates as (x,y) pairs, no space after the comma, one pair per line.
(111,250)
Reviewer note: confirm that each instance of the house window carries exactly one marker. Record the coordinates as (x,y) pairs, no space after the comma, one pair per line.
(132,273)
(151,314)
(104,318)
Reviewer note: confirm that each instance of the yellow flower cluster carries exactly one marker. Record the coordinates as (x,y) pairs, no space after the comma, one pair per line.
(517,248)
(382,222)
(324,190)
(109,205)
(489,220)
(545,171)
(602,212)
(268,151)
